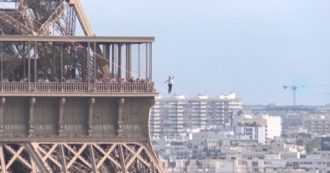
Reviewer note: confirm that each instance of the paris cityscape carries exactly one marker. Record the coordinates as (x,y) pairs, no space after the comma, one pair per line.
(223,135)
(164,86)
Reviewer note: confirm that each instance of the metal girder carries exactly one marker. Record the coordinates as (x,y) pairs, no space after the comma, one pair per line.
(17,158)
(106,155)
(136,155)
(9,0)
(77,155)
(94,157)
(36,160)
(77,39)
(14,23)
(122,159)
(26,15)
(45,156)
(87,28)
(84,23)
(2,159)
(52,18)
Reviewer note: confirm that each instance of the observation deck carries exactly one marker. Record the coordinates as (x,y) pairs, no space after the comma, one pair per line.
(76,72)
(64,76)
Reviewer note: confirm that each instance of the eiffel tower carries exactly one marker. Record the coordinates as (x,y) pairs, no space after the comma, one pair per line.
(72,104)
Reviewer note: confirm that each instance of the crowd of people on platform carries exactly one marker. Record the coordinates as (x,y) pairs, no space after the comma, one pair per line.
(69,75)
(44,79)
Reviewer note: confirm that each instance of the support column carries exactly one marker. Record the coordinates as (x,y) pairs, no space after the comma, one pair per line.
(61,116)
(24,66)
(62,68)
(147,63)
(94,64)
(84,65)
(35,62)
(31,116)
(54,75)
(88,63)
(1,61)
(113,61)
(2,115)
(150,62)
(29,70)
(106,51)
(128,62)
(120,122)
(90,116)
(119,63)
(139,61)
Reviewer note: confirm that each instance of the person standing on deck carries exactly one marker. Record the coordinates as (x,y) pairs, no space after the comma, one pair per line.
(169,81)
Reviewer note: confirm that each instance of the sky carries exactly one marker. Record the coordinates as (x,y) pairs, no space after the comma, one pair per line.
(250,47)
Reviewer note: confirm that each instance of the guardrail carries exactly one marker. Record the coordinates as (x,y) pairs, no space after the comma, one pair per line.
(76,87)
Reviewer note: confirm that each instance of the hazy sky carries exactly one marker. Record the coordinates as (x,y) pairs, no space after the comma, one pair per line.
(251,47)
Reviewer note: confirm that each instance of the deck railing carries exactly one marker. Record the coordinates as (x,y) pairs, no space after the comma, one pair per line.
(76,87)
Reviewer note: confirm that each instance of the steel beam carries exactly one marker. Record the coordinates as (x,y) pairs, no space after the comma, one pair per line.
(82,17)
(52,19)
(35,158)
(14,23)
(2,157)
(78,39)
(50,157)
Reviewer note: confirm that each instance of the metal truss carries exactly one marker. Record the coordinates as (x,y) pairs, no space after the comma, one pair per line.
(53,18)
(14,23)
(77,158)
(37,18)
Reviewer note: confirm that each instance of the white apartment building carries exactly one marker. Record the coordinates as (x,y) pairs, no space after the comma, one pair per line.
(228,105)
(251,128)
(196,112)
(175,116)
(167,117)
(274,126)
(258,128)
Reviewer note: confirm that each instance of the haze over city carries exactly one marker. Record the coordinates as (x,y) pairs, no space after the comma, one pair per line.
(250,47)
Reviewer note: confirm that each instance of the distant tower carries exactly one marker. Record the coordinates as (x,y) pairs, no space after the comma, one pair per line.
(70,104)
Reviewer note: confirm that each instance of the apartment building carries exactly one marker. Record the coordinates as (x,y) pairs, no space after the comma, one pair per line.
(317,124)
(177,115)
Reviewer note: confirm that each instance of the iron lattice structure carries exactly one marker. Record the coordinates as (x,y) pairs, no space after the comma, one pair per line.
(70,104)
(43,18)
(75,157)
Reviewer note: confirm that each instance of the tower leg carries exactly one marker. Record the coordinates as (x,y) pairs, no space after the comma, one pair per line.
(77,157)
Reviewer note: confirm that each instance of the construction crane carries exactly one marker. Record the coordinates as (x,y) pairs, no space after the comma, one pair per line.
(294,89)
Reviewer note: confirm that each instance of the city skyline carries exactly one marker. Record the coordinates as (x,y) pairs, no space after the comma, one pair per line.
(252,48)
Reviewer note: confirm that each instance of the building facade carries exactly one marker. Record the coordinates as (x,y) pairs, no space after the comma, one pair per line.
(175,116)
(317,124)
